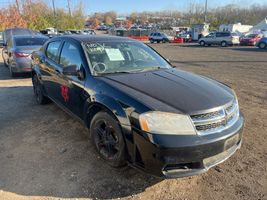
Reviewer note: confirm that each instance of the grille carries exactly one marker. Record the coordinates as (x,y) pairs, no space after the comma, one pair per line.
(212,122)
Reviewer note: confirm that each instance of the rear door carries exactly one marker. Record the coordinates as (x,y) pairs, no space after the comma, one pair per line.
(71,87)
(49,68)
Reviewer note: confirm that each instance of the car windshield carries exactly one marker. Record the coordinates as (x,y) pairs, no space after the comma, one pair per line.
(123,57)
(30,41)
(251,36)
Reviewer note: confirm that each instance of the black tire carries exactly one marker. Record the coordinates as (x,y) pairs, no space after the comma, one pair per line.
(151,41)
(158,41)
(107,139)
(12,74)
(224,44)
(262,45)
(38,91)
(202,43)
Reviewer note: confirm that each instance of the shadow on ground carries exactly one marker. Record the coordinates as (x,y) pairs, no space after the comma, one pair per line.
(45,152)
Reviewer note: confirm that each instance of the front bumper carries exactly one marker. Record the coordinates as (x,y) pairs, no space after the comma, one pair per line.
(180,156)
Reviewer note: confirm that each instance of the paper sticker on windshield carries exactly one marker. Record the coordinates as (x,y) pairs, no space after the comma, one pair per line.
(114,54)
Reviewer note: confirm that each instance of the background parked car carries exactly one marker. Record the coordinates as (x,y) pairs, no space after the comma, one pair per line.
(262,43)
(185,35)
(220,38)
(160,37)
(15,31)
(17,54)
(250,39)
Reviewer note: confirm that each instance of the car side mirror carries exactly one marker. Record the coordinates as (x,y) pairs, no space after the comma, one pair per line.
(72,70)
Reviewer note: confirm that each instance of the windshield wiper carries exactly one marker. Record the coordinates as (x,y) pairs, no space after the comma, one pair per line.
(149,69)
(116,72)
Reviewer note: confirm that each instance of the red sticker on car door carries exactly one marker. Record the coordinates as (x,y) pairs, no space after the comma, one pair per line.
(65,93)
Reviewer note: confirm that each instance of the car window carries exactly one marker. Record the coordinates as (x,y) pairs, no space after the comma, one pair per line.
(70,55)
(218,34)
(29,41)
(52,50)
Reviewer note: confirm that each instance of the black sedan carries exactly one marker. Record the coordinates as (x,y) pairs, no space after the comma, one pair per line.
(139,110)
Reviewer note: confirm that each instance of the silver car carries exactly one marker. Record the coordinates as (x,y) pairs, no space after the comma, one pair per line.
(18,50)
(220,38)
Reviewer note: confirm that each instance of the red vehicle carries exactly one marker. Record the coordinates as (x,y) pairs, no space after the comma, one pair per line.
(250,40)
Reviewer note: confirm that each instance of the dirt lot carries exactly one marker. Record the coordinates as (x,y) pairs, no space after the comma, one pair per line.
(45,153)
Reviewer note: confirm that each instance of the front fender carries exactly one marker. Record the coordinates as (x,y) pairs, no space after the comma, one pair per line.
(112,105)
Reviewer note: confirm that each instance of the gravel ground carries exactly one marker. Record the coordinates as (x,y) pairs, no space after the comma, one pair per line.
(45,153)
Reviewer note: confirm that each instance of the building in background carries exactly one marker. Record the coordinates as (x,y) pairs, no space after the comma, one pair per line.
(199,30)
(238,28)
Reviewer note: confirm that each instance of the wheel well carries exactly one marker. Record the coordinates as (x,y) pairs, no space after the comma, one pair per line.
(93,110)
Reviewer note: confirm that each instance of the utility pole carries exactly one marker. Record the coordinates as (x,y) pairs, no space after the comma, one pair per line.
(69,7)
(206,10)
(17,4)
(54,10)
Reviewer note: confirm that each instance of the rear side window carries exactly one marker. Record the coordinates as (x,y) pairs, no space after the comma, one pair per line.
(21,32)
(70,55)
(30,41)
(52,50)
(222,34)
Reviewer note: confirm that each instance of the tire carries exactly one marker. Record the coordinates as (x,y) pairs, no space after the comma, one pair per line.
(262,45)
(41,99)
(107,139)
(158,41)
(151,41)
(202,43)
(12,74)
(224,44)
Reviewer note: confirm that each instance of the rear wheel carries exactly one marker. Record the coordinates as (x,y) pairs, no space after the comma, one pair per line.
(151,41)
(12,74)
(38,91)
(107,139)
(224,44)
(262,45)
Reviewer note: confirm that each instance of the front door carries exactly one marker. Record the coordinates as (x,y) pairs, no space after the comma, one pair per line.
(71,87)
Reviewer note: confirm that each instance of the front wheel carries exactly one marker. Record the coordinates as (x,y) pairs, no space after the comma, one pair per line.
(38,91)
(262,45)
(223,43)
(107,139)
(202,43)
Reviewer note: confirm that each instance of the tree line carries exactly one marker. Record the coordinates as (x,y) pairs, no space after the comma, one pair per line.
(37,15)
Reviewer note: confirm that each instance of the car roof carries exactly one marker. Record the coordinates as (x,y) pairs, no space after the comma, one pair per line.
(96,38)
(30,36)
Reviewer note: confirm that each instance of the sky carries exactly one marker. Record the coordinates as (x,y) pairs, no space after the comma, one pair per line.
(127,6)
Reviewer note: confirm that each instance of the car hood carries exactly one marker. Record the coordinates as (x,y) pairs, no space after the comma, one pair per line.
(184,91)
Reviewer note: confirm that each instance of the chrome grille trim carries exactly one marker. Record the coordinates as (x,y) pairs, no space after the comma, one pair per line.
(216,121)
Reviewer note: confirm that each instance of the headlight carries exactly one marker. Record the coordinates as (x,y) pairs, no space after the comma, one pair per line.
(166,123)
